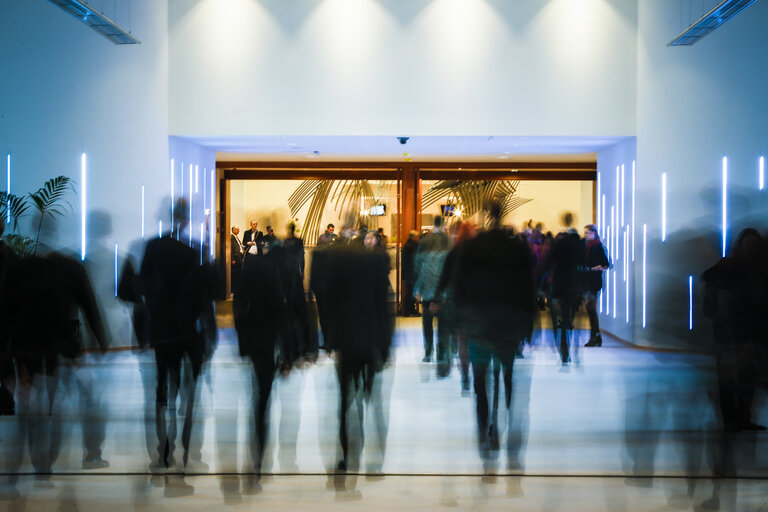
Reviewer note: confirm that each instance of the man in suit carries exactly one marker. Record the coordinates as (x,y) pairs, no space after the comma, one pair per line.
(253,238)
(178,301)
(236,248)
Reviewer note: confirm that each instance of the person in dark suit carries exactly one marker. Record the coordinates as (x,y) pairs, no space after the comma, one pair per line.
(56,286)
(409,274)
(259,312)
(236,249)
(179,307)
(253,238)
(360,333)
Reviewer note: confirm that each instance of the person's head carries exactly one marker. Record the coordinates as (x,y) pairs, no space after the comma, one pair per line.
(235,230)
(438,222)
(568,219)
(413,235)
(748,245)
(181,214)
(254,225)
(270,231)
(330,228)
(494,214)
(370,240)
(590,233)
(290,229)
(380,231)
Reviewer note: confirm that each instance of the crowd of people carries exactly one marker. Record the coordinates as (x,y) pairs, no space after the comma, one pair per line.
(484,288)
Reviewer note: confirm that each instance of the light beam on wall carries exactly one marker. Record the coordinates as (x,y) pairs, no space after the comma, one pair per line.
(608,276)
(115,269)
(633,210)
(761,178)
(721,13)
(626,285)
(190,205)
(83,170)
(663,207)
(690,303)
(96,20)
(212,218)
(599,226)
(197,179)
(725,203)
(142,211)
(172,173)
(159,229)
(614,293)
(8,189)
(623,200)
(202,241)
(605,221)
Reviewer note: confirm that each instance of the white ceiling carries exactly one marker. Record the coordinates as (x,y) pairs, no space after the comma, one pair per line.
(417,148)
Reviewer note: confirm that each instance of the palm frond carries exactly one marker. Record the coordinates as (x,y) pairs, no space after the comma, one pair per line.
(22,245)
(46,199)
(17,205)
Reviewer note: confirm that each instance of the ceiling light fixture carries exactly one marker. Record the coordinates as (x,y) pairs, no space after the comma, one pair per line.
(723,12)
(97,21)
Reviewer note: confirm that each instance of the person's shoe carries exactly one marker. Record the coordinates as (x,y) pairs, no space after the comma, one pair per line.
(95,463)
(749,425)
(465,386)
(592,342)
(426,359)
(251,484)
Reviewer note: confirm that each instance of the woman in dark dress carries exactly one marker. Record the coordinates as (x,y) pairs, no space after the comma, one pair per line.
(597,261)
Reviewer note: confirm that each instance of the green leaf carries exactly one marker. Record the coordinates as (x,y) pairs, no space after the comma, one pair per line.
(18,207)
(22,245)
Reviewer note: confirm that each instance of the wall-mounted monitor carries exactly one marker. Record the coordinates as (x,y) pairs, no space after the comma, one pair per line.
(447,210)
(378,210)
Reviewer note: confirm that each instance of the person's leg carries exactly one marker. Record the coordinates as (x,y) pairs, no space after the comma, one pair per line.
(426,327)
(264,375)
(480,360)
(195,360)
(594,322)
(444,341)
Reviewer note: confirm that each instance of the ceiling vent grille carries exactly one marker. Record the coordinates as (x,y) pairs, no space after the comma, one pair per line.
(710,21)
(96,21)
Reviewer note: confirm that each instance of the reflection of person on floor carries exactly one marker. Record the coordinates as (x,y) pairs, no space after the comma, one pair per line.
(495,294)
(178,302)
(51,288)
(360,327)
(597,262)
(735,300)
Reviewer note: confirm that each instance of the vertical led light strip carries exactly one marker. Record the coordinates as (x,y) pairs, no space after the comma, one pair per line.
(212,222)
(614,253)
(725,203)
(205,189)
(181,176)
(626,285)
(690,303)
(605,222)
(83,169)
(8,189)
(614,293)
(202,241)
(159,229)
(623,198)
(617,206)
(197,179)
(172,173)
(608,274)
(633,210)
(599,217)
(761,175)
(626,260)
(645,235)
(115,269)
(142,211)
(190,205)
(663,207)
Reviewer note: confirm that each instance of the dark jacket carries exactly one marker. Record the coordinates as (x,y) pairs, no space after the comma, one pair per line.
(250,236)
(565,262)
(236,251)
(409,254)
(596,256)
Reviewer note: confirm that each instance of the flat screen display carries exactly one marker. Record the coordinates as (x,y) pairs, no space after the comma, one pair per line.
(379,209)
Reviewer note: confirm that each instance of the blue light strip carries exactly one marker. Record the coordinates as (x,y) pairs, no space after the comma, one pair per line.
(614,250)
(115,269)
(725,203)
(615,220)
(212,225)
(645,235)
(599,217)
(605,221)
(172,179)
(626,277)
(205,188)
(761,175)
(202,241)
(623,199)
(608,276)
(190,205)
(8,190)
(83,169)
(159,229)
(197,179)
(690,303)
(633,210)
(142,211)
(663,207)
(615,286)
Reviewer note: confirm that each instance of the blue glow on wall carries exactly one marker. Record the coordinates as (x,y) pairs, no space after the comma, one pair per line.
(761,178)
(599,217)
(211,226)
(159,229)
(663,207)
(614,293)
(197,179)
(83,170)
(608,276)
(172,191)
(623,200)
(725,203)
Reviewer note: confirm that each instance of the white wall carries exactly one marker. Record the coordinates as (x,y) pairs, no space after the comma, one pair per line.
(695,105)
(421,67)
(67,90)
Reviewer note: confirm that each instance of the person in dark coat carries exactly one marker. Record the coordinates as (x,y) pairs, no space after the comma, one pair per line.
(253,238)
(360,333)
(494,293)
(259,311)
(319,284)
(294,248)
(179,309)
(565,261)
(410,307)
(8,263)
(735,300)
(597,262)
(56,289)
(237,253)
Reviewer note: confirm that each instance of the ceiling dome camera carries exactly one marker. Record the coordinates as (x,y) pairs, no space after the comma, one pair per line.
(403,140)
